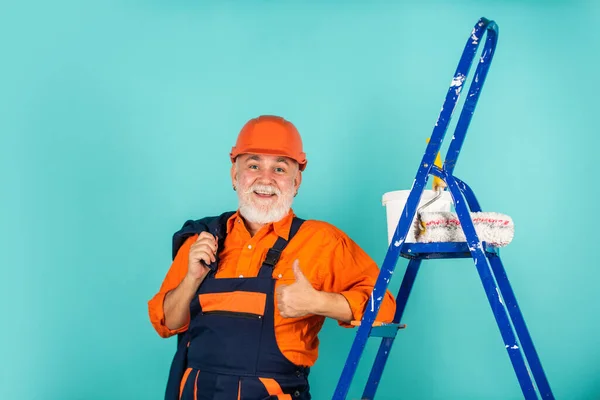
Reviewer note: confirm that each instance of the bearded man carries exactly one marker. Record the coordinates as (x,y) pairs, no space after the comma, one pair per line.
(248,291)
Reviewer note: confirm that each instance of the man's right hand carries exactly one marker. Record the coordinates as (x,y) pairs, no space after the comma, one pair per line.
(177,301)
(202,253)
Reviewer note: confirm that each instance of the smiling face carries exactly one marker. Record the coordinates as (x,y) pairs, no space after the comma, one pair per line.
(266,186)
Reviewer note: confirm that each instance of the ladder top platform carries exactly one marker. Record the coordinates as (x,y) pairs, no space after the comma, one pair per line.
(442,250)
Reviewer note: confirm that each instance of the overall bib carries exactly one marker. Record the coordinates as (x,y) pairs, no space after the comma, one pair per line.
(229,351)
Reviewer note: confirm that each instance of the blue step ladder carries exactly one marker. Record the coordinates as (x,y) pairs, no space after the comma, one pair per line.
(499,293)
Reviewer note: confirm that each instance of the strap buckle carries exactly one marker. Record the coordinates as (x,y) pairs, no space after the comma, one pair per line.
(272,257)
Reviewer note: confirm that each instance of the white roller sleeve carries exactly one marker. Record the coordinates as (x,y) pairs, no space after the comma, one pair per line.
(494,228)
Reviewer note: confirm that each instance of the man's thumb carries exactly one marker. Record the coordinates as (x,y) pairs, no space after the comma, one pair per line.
(298,272)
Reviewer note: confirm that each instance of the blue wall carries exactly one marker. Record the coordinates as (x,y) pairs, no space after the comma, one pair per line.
(115,126)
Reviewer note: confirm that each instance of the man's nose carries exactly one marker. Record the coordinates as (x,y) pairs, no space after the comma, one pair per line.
(267,177)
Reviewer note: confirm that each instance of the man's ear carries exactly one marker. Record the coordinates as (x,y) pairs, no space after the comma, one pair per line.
(234,175)
(298,180)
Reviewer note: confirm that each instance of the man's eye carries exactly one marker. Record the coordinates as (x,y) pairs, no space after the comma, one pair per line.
(253,167)
(280,170)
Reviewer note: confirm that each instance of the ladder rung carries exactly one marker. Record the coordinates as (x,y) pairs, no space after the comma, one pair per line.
(382,329)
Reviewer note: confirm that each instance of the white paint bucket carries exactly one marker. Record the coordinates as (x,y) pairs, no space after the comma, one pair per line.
(394,205)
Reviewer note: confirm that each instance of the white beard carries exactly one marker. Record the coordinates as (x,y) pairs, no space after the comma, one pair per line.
(253,211)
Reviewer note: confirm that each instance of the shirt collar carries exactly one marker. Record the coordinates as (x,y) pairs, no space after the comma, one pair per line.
(283,226)
(232,220)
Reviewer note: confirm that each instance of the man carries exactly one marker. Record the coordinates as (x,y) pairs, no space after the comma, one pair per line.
(248,291)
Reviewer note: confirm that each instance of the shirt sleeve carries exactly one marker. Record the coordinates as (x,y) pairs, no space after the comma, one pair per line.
(352,273)
(174,276)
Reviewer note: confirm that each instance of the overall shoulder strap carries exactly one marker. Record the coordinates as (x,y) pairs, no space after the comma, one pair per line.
(272,257)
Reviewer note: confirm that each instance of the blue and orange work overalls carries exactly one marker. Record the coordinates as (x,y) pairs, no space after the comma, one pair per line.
(229,351)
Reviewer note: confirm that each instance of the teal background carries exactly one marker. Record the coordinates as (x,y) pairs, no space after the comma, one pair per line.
(115,127)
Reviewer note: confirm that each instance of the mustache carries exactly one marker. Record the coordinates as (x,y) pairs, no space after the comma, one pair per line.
(263,189)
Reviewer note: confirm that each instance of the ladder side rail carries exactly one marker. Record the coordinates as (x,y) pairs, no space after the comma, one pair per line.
(475,88)
(386,344)
(377,369)
(521,328)
(492,291)
(372,307)
(349,370)
(453,95)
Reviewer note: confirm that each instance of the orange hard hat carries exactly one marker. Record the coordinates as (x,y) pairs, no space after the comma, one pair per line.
(269,134)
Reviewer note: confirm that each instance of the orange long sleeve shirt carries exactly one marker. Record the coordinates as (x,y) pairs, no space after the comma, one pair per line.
(330,260)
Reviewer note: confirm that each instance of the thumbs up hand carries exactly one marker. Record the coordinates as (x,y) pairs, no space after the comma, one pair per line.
(299,298)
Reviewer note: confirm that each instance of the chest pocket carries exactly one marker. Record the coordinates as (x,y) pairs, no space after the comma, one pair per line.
(284,273)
